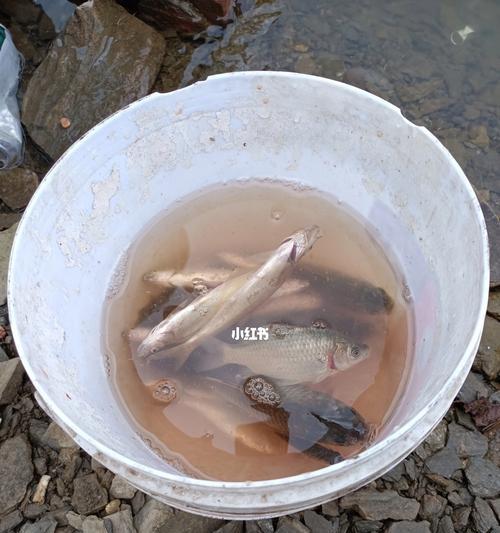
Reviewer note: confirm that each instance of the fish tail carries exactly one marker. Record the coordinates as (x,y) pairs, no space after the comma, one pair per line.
(213,356)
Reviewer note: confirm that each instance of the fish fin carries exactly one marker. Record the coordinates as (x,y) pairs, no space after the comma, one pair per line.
(212,358)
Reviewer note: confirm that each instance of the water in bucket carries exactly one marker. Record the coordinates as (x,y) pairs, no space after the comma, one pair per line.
(346,288)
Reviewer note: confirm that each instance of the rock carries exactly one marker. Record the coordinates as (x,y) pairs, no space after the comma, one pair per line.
(473,388)
(493,228)
(446,525)
(41,489)
(9,219)
(121,522)
(488,357)
(138,501)
(45,525)
(330,508)
(444,462)
(483,477)
(93,524)
(181,521)
(368,526)
(34,510)
(101,67)
(494,448)
(317,523)
(56,438)
(10,521)
(375,505)
(416,91)
(369,80)
(467,443)
(11,379)
(291,525)
(6,239)
(483,516)
(24,11)
(88,496)
(409,527)
(75,520)
(437,438)
(16,472)
(112,507)
(479,136)
(494,305)
(17,186)
(305,64)
(72,461)
(495,505)
(461,517)
(431,506)
(121,489)
(185,16)
(395,473)
(3,356)
(234,527)
(152,516)
(460,497)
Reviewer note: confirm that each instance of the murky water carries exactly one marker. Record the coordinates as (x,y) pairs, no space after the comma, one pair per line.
(211,426)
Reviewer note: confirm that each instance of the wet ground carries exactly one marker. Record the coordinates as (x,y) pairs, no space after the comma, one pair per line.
(438,61)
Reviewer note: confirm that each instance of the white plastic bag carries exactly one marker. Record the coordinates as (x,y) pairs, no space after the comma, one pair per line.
(11,134)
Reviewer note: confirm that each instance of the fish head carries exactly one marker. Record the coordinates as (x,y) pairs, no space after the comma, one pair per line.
(346,354)
(303,241)
(154,342)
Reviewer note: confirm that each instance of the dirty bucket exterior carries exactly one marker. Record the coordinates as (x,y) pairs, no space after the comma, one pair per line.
(130,168)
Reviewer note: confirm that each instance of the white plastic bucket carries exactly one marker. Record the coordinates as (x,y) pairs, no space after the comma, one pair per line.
(131,167)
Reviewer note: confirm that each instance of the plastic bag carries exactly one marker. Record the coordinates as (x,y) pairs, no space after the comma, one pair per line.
(11,133)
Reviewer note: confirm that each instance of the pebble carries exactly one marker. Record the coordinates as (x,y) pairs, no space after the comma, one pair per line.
(368,526)
(88,496)
(291,525)
(34,510)
(375,505)
(495,505)
(409,527)
(44,525)
(152,516)
(75,520)
(479,136)
(138,501)
(17,186)
(121,522)
(395,473)
(56,438)
(3,356)
(483,516)
(93,524)
(11,378)
(16,471)
(236,527)
(437,438)
(41,489)
(446,525)
(6,239)
(483,477)
(488,357)
(461,517)
(112,507)
(10,521)
(122,489)
(317,523)
(444,463)
(330,508)
(467,443)
(431,506)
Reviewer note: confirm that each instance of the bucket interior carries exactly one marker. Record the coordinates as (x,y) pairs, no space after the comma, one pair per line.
(70,253)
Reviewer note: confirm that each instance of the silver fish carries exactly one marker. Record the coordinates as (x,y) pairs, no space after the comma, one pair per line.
(226,303)
(290,355)
(171,278)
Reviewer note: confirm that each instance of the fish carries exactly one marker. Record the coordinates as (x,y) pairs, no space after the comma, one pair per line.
(209,278)
(292,354)
(226,303)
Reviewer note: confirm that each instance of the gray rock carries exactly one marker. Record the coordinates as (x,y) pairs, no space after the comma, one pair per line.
(88,496)
(122,522)
(190,523)
(138,502)
(483,516)
(461,517)
(495,505)
(488,357)
(483,477)
(234,527)
(494,448)
(101,67)
(446,525)
(16,471)
(45,525)
(75,520)
(494,305)
(10,521)
(330,508)
(460,497)
(17,186)
(395,473)
(122,489)
(56,438)
(375,505)
(410,468)
(431,506)
(152,516)
(444,463)
(34,510)
(409,527)
(6,239)
(437,438)
(11,379)
(317,523)
(3,356)
(72,461)
(467,443)
(93,524)
(266,525)
(291,525)
(255,526)
(367,526)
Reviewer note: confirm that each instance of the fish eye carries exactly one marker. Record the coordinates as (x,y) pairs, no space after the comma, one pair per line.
(355,351)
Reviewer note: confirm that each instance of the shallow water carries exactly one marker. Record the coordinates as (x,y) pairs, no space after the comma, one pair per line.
(244,220)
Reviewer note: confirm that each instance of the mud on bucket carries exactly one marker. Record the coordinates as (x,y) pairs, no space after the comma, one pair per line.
(315,132)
